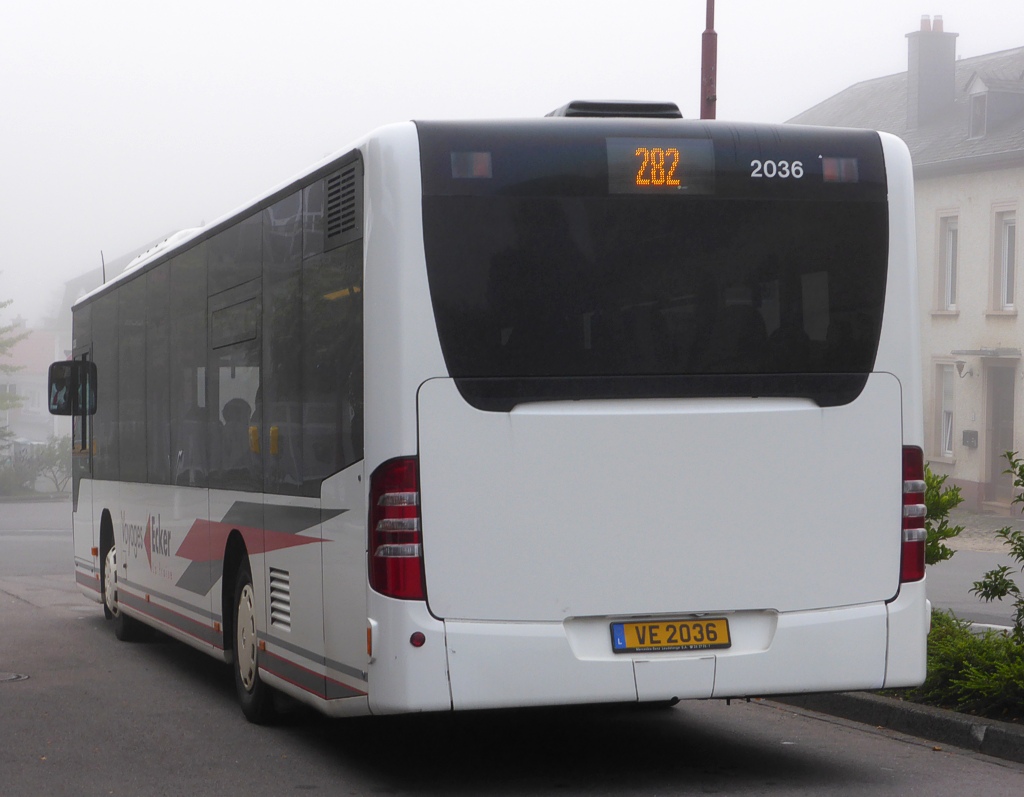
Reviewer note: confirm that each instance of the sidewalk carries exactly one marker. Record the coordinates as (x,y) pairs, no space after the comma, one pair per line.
(990,737)
(980,529)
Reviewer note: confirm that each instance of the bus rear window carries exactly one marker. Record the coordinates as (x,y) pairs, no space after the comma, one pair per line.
(585,293)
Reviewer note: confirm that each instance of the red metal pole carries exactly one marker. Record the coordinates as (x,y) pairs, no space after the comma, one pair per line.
(709,66)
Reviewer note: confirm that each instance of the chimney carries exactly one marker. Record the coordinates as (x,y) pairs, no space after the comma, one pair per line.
(930,72)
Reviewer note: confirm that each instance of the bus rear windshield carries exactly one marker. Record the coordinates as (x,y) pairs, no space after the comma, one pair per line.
(552,277)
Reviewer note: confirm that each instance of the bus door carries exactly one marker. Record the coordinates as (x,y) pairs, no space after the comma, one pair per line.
(234,421)
(82,452)
(281,534)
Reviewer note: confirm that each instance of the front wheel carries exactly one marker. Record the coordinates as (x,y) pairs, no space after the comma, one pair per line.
(127,629)
(256,697)
(110,608)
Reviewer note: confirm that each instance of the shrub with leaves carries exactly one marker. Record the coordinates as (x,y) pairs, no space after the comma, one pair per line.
(997,584)
(994,687)
(980,673)
(951,647)
(940,500)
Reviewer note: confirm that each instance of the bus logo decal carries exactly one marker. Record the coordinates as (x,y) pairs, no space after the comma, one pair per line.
(153,539)
(264,527)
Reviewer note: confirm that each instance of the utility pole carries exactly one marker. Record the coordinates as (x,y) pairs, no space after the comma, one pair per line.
(709,66)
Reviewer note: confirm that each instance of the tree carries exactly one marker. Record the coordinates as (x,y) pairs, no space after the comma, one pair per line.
(10,334)
(53,461)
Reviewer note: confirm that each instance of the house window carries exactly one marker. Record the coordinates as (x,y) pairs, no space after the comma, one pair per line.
(979,114)
(946,410)
(1006,257)
(948,246)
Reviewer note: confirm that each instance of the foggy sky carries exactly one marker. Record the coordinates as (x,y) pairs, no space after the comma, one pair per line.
(124,121)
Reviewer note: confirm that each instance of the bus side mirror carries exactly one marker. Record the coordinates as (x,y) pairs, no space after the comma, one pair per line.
(71,387)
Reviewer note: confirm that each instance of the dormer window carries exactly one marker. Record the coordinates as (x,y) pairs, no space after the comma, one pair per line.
(979,115)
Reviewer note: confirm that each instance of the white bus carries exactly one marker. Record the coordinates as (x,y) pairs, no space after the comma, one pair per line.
(598,407)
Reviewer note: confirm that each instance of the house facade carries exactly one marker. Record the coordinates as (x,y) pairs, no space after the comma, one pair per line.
(29,423)
(963,121)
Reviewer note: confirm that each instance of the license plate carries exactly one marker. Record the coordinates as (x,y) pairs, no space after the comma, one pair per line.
(663,635)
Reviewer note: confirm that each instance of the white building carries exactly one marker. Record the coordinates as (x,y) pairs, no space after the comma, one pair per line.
(963,121)
(30,422)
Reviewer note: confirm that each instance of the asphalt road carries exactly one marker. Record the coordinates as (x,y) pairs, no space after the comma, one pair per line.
(978,550)
(949,585)
(35,538)
(99,717)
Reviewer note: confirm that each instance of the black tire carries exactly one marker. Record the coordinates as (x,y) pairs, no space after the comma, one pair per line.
(255,697)
(128,629)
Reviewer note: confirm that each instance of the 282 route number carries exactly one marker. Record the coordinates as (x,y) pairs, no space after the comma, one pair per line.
(658,166)
(776,169)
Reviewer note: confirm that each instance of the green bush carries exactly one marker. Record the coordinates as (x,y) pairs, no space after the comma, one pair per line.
(979,673)
(939,500)
(996,584)
(951,647)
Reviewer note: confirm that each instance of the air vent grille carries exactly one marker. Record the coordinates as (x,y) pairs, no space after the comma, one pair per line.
(344,206)
(280,598)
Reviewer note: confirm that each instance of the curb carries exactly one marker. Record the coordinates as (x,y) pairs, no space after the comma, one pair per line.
(990,737)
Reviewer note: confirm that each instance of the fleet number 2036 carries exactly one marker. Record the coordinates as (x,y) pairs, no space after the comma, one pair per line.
(780,169)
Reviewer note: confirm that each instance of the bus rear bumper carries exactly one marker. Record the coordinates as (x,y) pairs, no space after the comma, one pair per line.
(493,665)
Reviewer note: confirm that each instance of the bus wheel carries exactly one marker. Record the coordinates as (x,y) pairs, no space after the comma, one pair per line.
(109,585)
(126,628)
(255,696)
(106,576)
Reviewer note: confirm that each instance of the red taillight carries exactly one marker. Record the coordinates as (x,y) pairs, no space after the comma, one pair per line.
(395,543)
(914,512)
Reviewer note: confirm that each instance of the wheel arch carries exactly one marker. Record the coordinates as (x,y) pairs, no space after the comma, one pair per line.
(106,533)
(235,553)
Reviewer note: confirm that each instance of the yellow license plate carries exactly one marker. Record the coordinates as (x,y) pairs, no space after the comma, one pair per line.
(647,637)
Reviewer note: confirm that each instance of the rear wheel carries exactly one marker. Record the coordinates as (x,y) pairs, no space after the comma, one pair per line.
(127,629)
(256,697)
